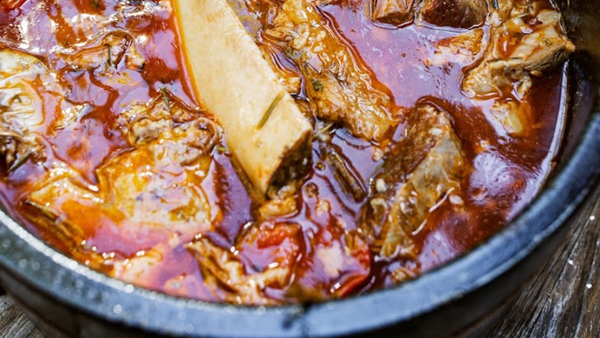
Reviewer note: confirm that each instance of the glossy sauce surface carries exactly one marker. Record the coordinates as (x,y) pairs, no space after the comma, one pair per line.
(504,171)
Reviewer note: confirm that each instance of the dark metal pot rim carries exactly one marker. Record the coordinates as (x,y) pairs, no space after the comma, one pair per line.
(63,279)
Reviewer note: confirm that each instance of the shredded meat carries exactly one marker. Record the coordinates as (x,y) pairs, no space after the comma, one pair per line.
(106,54)
(225,270)
(155,186)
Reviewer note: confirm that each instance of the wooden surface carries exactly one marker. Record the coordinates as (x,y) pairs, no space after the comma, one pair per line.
(562,301)
(13,323)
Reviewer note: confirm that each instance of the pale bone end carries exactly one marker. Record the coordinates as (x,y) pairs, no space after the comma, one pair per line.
(268,135)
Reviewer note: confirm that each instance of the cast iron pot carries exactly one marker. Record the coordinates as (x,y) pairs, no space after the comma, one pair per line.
(460,298)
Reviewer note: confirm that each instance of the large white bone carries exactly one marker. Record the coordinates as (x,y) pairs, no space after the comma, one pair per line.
(238,87)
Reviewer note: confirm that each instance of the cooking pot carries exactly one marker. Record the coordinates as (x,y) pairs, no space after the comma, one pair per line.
(461,298)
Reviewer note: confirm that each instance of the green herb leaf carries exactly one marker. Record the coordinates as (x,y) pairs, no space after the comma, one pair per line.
(165,97)
(317,86)
(267,113)
(20,161)
(288,52)
(326,128)
(110,60)
(546,42)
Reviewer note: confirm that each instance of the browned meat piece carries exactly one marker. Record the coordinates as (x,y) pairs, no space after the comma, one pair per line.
(503,10)
(225,272)
(149,185)
(282,202)
(427,166)
(545,48)
(143,123)
(277,207)
(525,45)
(454,13)
(395,12)
(341,87)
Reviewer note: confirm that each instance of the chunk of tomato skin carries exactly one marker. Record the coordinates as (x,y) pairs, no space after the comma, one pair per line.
(267,244)
(351,284)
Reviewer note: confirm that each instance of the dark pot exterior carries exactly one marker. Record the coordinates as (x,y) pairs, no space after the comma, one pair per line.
(462,297)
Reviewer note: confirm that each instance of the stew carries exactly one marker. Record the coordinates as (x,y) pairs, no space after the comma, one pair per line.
(327,149)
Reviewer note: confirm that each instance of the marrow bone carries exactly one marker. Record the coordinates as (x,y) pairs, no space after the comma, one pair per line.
(267,133)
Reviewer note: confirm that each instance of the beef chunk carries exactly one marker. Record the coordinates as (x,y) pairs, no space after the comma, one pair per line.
(546,47)
(342,88)
(395,12)
(154,188)
(454,13)
(525,45)
(427,166)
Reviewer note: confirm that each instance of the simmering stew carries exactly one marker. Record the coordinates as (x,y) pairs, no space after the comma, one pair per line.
(271,151)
